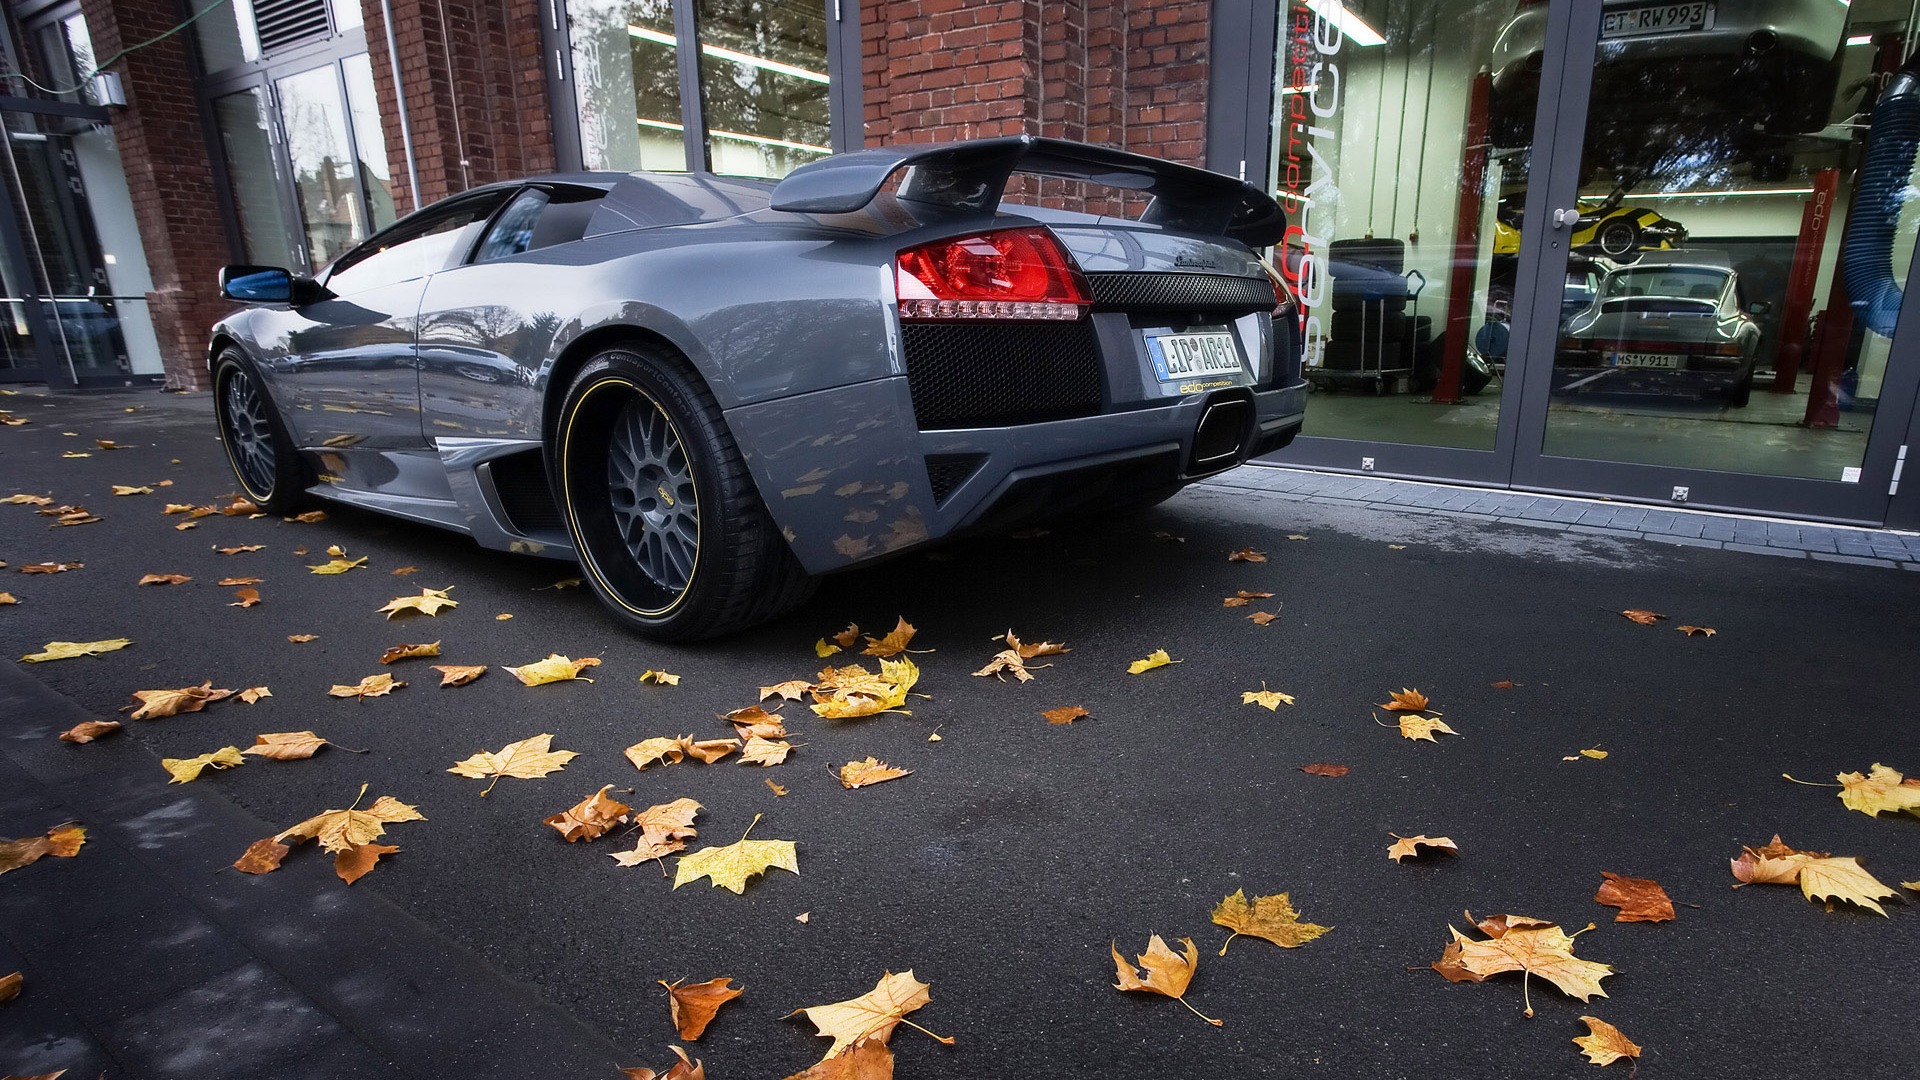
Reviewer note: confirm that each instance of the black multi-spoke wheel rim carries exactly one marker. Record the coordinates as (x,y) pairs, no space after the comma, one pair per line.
(631,493)
(249,433)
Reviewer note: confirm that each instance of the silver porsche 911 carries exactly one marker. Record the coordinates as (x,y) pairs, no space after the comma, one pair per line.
(709,390)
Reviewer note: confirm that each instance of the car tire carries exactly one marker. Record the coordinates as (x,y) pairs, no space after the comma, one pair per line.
(271,473)
(1742,392)
(1617,239)
(670,530)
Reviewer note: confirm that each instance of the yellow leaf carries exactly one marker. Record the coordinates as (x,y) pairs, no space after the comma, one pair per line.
(591,817)
(764,752)
(339,830)
(28,500)
(663,830)
(871,1016)
(672,751)
(159,704)
(108,444)
(185,770)
(1595,754)
(1405,700)
(1269,917)
(856,774)
(659,678)
(252,694)
(1270,700)
(1008,662)
(792,690)
(7,598)
(778,790)
(74,454)
(1162,971)
(302,639)
(459,674)
(1530,946)
(850,692)
(1603,1043)
(730,866)
(1881,791)
(286,745)
(163,579)
(894,643)
(527,759)
(410,652)
(68,650)
(429,602)
(1158,658)
(555,668)
(1409,846)
(337,566)
(372,686)
(504,616)
(1421,727)
(1697,631)
(127,489)
(824,649)
(1842,879)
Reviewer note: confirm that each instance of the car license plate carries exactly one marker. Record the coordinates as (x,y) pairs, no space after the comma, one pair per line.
(1644,360)
(1207,354)
(1656,19)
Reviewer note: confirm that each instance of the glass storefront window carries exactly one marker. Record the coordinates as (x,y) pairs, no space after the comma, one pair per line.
(253,177)
(1397,251)
(763,84)
(627,82)
(325,182)
(226,33)
(369,140)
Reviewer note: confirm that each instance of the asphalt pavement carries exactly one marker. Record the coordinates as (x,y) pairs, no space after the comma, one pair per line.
(1006,866)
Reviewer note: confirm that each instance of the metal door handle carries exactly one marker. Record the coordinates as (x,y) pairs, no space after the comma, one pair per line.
(1564,218)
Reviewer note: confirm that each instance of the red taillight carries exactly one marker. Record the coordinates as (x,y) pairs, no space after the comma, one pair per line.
(1007,274)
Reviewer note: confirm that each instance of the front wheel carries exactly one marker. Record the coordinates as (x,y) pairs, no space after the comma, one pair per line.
(670,530)
(263,457)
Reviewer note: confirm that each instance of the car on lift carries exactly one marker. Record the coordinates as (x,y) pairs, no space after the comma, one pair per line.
(1673,323)
(709,390)
(1606,229)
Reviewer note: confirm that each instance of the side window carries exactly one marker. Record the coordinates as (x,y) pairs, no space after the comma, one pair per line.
(538,218)
(414,248)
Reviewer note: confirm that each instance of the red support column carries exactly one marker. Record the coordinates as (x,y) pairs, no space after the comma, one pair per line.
(1806,267)
(1466,244)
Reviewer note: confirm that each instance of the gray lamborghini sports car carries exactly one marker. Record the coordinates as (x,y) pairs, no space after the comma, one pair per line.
(707,390)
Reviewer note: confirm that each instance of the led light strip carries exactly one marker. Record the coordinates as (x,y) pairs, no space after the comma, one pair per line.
(737,136)
(1714,194)
(669,40)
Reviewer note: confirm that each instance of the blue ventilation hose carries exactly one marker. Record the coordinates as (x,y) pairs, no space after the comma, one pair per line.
(1867,257)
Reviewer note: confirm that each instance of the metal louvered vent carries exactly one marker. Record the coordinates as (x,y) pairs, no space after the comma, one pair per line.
(1173,291)
(282,23)
(965,375)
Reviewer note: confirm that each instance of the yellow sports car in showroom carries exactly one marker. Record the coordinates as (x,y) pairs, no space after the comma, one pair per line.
(1610,230)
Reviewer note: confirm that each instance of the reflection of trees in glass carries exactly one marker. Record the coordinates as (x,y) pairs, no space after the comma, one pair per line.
(621,78)
(313,116)
(747,99)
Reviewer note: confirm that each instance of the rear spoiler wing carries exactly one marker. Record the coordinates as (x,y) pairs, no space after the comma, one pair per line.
(972,176)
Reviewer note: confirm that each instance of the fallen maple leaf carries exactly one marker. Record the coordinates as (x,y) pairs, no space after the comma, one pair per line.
(8,598)
(729,866)
(555,668)
(232,581)
(163,579)
(248,598)
(158,704)
(252,694)
(372,686)
(672,751)
(1419,727)
(528,759)
(1882,790)
(1029,651)
(663,830)
(1166,972)
(1262,618)
(311,517)
(1773,864)
(70,650)
(868,1059)
(429,602)
(337,566)
(1639,899)
(847,637)
(88,730)
(894,643)
(356,862)
(1406,700)
(764,752)
(241,550)
(659,678)
(459,674)
(62,842)
(51,567)
(1529,946)
(1697,631)
(873,1015)
(302,639)
(1008,661)
(849,692)
(754,720)
(1643,616)
(1405,847)
(187,770)
(10,989)
(1603,1043)
(1158,658)
(1325,768)
(239,508)
(1247,555)
(1270,700)
(410,652)
(792,690)
(855,774)
(824,648)
(287,745)
(1843,879)
(1269,917)
(129,489)
(1243,597)
(693,1007)
(338,830)
(28,500)
(684,1069)
(591,817)
(1065,715)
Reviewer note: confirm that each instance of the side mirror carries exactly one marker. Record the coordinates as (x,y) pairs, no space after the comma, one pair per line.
(1759,307)
(256,284)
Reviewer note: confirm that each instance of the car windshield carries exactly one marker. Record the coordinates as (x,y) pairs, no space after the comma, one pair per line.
(1689,282)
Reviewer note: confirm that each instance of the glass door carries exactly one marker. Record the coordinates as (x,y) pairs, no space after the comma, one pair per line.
(1732,218)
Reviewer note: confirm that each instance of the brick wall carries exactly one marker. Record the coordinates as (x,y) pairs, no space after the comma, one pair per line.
(476,93)
(170,177)
(1130,74)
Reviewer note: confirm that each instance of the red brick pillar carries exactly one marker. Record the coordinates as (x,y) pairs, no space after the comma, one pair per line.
(169,169)
(476,93)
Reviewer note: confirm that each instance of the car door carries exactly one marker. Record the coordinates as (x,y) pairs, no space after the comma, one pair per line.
(348,372)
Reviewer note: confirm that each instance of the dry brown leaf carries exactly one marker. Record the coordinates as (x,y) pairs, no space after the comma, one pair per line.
(1066,714)
(1603,1043)
(50,567)
(528,759)
(663,830)
(372,686)
(403,571)
(894,643)
(1165,972)
(252,694)
(311,517)
(302,639)
(410,652)
(187,770)
(356,862)
(1643,616)
(847,637)
(591,817)
(684,1069)
(855,774)
(62,842)
(459,674)
(1325,768)
(1697,631)
(1529,946)
(108,444)
(1005,662)
(667,751)
(1243,597)
(239,508)
(286,745)
(1029,651)
(1409,846)
(1269,917)
(792,690)
(1262,618)
(868,1059)
(1639,899)
(157,704)
(129,489)
(754,720)
(693,1007)
(775,788)
(262,857)
(248,598)
(10,987)
(873,1015)
(659,678)
(232,581)
(1405,700)
(241,550)
(1773,864)
(555,668)
(88,730)
(429,602)
(163,579)
(1247,555)
(1503,684)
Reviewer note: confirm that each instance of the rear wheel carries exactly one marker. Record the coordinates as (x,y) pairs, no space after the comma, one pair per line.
(263,457)
(670,529)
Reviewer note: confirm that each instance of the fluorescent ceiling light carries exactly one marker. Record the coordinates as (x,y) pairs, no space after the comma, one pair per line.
(1860,39)
(1350,24)
(1713,194)
(736,136)
(717,52)
(660,124)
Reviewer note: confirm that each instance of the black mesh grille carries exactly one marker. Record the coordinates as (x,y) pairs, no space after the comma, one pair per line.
(289,22)
(1165,291)
(992,374)
(521,481)
(946,471)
